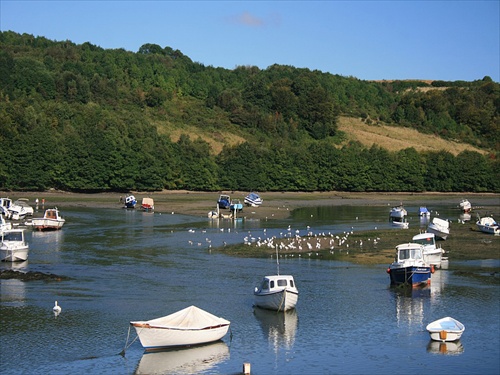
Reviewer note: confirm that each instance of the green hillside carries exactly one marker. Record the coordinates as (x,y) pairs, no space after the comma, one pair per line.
(82,118)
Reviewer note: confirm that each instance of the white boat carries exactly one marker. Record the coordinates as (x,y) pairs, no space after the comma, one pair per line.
(51,220)
(190,326)
(277,292)
(253,199)
(465,205)
(445,329)
(4,206)
(19,210)
(148,204)
(488,225)
(424,212)
(432,254)
(398,212)
(14,247)
(440,227)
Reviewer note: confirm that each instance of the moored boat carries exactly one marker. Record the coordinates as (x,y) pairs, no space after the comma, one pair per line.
(431,254)
(487,224)
(51,220)
(130,201)
(224,201)
(236,205)
(409,267)
(398,213)
(440,227)
(465,205)
(253,199)
(277,292)
(4,225)
(14,247)
(423,212)
(190,326)
(445,329)
(148,204)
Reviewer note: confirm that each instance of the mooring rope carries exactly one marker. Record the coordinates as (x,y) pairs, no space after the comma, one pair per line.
(122,353)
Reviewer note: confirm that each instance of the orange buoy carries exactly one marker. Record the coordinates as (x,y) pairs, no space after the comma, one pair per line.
(388,270)
(442,335)
(432,268)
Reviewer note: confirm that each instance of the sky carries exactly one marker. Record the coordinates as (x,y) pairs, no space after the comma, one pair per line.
(370,40)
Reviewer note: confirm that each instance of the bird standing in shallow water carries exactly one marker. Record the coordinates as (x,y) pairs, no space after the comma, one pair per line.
(56,309)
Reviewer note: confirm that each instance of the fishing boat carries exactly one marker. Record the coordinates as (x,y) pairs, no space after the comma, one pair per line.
(190,326)
(409,267)
(440,227)
(277,292)
(397,213)
(130,201)
(51,220)
(224,201)
(465,205)
(14,247)
(432,254)
(148,204)
(253,200)
(445,329)
(488,225)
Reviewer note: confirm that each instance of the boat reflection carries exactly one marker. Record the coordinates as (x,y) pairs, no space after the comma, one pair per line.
(410,304)
(447,348)
(13,292)
(278,327)
(464,217)
(439,279)
(54,239)
(193,360)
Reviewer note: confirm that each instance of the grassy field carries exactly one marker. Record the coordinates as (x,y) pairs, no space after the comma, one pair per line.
(398,138)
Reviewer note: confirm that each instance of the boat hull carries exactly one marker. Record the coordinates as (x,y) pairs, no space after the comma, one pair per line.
(439,233)
(18,254)
(157,338)
(411,275)
(47,224)
(283,300)
(445,329)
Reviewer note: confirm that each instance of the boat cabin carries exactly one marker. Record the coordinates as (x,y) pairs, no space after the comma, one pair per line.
(410,251)
(277,282)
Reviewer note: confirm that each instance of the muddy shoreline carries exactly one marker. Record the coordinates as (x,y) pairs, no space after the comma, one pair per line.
(276,204)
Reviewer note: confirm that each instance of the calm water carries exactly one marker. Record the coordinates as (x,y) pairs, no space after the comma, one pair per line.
(130,265)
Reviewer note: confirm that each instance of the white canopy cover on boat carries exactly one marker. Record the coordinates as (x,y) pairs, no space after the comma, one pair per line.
(190,318)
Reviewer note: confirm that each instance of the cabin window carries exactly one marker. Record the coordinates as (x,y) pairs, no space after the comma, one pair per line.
(265,284)
(291,283)
(282,282)
(404,254)
(13,237)
(272,284)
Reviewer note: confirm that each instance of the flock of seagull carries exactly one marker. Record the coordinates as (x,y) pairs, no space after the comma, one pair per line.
(292,241)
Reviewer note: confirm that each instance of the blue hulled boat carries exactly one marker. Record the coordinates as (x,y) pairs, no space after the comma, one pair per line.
(409,267)
(130,201)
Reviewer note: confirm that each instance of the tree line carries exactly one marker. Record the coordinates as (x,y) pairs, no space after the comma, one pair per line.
(82,118)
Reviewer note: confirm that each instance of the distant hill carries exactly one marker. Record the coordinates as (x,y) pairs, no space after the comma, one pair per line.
(83,118)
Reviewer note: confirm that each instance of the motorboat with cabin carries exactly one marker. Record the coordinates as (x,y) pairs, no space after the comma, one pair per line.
(14,247)
(409,267)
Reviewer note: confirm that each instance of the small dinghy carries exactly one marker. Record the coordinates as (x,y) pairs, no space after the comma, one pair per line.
(445,329)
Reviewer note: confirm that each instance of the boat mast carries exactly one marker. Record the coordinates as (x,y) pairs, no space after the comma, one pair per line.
(277,260)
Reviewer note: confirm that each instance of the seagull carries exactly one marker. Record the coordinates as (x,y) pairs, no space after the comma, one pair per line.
(56,309)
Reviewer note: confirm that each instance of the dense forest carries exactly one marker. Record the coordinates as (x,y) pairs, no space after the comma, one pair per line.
(86,119)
